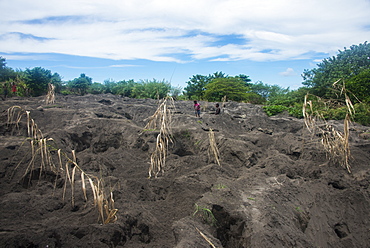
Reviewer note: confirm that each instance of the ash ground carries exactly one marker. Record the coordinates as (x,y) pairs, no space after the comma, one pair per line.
(274,188)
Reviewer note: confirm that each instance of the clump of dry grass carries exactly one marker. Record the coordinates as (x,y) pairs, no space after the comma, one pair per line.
(334,142)
(224,99)
(66,167)
(213,152)
(161,119)
(50,96)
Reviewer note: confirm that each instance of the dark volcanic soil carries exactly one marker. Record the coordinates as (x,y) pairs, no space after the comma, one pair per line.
(274,188)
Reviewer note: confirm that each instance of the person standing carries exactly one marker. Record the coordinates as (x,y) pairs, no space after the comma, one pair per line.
(197,109)
(14,89)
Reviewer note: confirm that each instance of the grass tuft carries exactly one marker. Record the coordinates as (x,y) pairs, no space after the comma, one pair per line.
(206,214)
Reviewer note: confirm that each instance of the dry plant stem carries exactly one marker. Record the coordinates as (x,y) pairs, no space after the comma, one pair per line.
(162,118)
(206,238)
(50,96)
(213,147)
(335,143)
(39,147)
(223,101)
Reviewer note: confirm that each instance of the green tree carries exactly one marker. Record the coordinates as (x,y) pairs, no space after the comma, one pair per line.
(359,85)
(6,73)
(175,92)
(124,88)
(81,84)
(56,79)
(38,78)
(217,75)
(245,78)
(151,89)
(264,90)
(286,97)
(196,87)
(109,85)
(347,64)
(231,87)
(96,88)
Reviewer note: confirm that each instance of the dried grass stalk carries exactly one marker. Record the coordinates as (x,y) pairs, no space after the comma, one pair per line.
(83,185)
(224,99)
(206,238)
(50,96)
(334,142)
(40,148)
(162,118)
(213,151)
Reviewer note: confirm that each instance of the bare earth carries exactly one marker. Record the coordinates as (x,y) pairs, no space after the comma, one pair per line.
(274,188)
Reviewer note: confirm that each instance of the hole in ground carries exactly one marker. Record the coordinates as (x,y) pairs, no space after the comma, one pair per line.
(229,229)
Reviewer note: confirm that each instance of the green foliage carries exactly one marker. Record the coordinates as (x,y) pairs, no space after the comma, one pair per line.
(108,86)
(296,110)
(286,97)
(38,78)
(124,88)
(244,78)
(274,109)
(80,85)
(345,65)
(96,88)
(206,214)
(6,73)
(362,114)
(334,113)
(264,90)
(359,85)
(233,88)
(254,98)
(220,186)
(197,84)
(175,92)
(196,87)
(151,89)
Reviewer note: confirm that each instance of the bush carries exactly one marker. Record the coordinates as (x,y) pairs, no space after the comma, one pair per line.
(274,109)
(362,115)
(296,110)
(335,113)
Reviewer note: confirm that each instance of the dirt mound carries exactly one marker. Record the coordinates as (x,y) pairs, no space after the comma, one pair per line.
(274,188)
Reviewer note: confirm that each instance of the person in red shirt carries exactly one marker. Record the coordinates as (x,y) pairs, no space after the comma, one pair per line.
(197,109)
(14,89)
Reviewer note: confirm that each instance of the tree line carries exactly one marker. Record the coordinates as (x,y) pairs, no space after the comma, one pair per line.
(350,68)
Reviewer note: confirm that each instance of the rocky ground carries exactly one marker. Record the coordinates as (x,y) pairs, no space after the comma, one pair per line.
(274,186)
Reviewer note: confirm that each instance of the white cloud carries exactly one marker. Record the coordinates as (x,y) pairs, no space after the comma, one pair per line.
(158,29)
(288,72)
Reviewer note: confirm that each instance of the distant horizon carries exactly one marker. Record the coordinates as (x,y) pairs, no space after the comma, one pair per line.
(173,77)
(272,41)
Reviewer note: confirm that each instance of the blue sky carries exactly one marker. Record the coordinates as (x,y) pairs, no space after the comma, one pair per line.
(271,41)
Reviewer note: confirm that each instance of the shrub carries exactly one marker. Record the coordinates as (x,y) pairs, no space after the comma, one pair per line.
(274,109)
(296,110)
(362,114)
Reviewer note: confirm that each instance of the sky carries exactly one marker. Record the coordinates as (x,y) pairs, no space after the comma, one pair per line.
(272,41)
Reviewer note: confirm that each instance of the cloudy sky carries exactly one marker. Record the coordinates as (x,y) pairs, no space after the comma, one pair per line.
(271,41)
